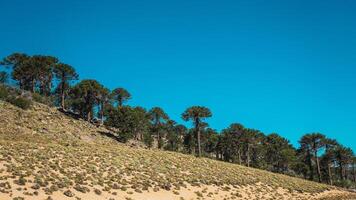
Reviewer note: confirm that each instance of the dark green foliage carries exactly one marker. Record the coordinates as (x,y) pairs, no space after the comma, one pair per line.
(48,100)
(310,145)
(158,117)
(120,95)
(13,96)
(197,114)
(32,72)
(174,136)
(3,77)
(3,92)
(64,74)
(131,122)
(345,184)
(280,153)
(20,102)
(148,140)
(85,96)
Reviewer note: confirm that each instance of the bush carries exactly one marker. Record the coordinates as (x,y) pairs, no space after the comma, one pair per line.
(21,102)
(4,93)
(124,137)
(42,99)
(147,139)
(345,184)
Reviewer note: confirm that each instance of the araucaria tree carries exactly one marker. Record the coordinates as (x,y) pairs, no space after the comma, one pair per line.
(85,95)
(64,74)
(197,114)
(3,77)
(33,73)
(158,117)
(312,143)
(120,95)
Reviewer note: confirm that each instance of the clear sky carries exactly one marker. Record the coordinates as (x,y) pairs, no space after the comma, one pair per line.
(278,66)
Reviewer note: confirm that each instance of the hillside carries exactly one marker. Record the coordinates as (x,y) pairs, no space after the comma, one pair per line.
(45,154)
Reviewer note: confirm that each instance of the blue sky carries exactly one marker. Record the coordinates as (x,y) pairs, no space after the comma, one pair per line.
(278,66)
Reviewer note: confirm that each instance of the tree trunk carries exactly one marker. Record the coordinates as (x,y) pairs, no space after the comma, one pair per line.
(239,155)
(119,101)
(330,175)
(311,174)
(33,86)
(248,155)
(159,139)
(199,147)
(102,113)
(341,171)
(157,125)
(317,165)
(89,116)
(63,95)
(354,171)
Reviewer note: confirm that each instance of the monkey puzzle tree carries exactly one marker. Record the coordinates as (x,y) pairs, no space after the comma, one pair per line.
(210,142)
(329,157)
(312,143)
(158,117)
(64,73)
(197,114)
(85,95)
(3,77)
(120,95)
(343,156)
(231,144)
(279,153)
(250,139)
(32,71)
(103,101)
(20,72)
(42,68)
(131,122)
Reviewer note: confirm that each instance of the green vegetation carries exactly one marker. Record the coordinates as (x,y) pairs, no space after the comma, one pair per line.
(45,79)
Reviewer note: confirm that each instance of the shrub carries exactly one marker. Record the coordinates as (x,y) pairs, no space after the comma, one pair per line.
(124,137)
(147,139)
(20,102)
(3,93)
(345,184)
(42,99)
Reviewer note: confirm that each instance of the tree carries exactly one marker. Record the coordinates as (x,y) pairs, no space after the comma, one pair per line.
(121,95)
(210,142)
(329,157)
(42,69)
(231,144)
(104,101)
(280,154)
(130,122)
(32,71)
(20,72)
(64,73)
(354,168)
(85,95)
(343,156)
(3,77)
(314,142)
(250,138)
(197,114)
(158,117)
(174,136)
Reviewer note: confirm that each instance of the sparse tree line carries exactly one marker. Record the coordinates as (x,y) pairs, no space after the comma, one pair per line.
(318,158)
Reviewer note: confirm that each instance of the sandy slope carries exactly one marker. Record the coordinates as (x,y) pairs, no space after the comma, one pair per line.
(45,154)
